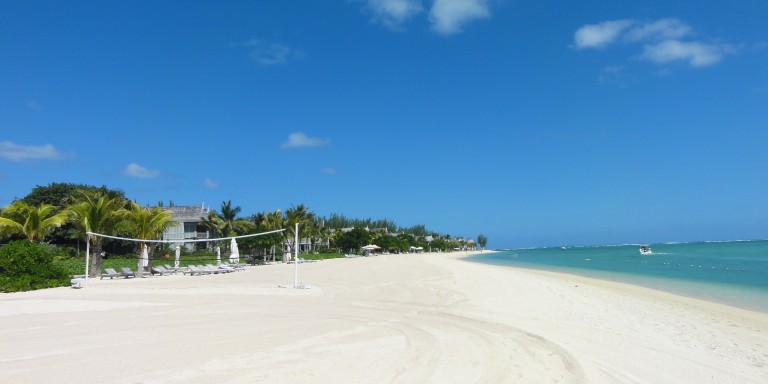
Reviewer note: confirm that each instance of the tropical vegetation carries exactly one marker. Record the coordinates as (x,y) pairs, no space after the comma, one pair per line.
(58,218)
(25,265)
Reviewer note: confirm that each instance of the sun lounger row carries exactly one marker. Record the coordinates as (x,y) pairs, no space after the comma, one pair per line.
(210,269)
(125,272)
(161,270)
(302,260)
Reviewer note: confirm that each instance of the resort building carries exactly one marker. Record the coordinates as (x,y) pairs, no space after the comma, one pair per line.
(187,227)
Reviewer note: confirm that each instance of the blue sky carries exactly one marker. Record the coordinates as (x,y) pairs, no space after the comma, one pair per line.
(533,122)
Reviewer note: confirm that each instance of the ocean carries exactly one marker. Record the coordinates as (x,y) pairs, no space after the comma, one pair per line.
(728,272)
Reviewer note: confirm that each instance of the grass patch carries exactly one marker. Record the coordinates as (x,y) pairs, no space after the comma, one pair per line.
(320,256)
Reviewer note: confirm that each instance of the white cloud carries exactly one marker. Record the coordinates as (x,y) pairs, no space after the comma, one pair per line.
(210,184)
(19,152)
(662,41)
(393,13)
(600,35)
(696,54)
(662,29)
(266,53)
(448,16)
(299,139)
(135,170)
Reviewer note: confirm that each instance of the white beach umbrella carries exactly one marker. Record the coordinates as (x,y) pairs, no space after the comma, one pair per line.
(178,255)
(371,247)
(144,256)
(234,257)
(218,255)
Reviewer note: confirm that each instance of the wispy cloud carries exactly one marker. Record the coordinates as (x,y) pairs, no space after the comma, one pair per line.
(299,139)
(33,105)
(393,13)
(271,53)
(601,34)
(208,183)
(136,170)
(20,152)
(662,41)
(616,75)
(696,54)
(661,29)
(448,16)
(329,171)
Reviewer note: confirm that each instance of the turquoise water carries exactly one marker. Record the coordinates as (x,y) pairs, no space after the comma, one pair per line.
(730,272)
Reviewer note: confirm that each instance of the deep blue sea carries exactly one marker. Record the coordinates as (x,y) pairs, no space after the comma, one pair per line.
(728,272)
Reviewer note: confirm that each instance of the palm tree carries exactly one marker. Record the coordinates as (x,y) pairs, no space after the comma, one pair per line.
(482,240)
(231,225)
(33,221)
(96,212)
(273,221)
(147,223)
(228,216)
(301,215)
(212,223)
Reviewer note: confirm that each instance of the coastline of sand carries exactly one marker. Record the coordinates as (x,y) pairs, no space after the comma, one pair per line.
(411,318)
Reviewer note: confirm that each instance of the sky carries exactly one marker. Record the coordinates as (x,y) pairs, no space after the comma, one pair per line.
(535,123)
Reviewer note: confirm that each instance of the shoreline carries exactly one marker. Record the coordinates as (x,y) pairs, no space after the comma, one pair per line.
(623,286)
(411,318)
(641,282)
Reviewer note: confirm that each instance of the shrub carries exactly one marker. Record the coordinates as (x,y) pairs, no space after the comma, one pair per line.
(26,266)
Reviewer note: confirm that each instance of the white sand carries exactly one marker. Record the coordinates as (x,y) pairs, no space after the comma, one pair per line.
(427,318)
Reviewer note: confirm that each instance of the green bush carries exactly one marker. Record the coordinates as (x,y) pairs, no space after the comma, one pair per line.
(26,266)
(71,266)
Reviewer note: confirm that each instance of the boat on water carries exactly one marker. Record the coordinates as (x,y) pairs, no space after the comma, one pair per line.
(645,250)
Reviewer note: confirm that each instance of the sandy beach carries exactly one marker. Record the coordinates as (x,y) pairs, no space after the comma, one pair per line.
(426,318)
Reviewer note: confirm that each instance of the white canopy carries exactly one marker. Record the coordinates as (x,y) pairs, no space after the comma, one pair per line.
(234,257)
(144,255)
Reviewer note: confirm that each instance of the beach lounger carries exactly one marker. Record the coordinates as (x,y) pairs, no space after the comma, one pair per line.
(212,269)
(126,272)
(193,270)
(222,267)
(236,267)
(173,269)
(111,273)
(160,270)
(77,282)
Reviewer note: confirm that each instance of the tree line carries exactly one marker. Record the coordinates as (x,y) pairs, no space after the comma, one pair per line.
(62,214)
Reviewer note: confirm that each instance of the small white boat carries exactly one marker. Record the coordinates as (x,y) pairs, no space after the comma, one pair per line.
(644,250)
